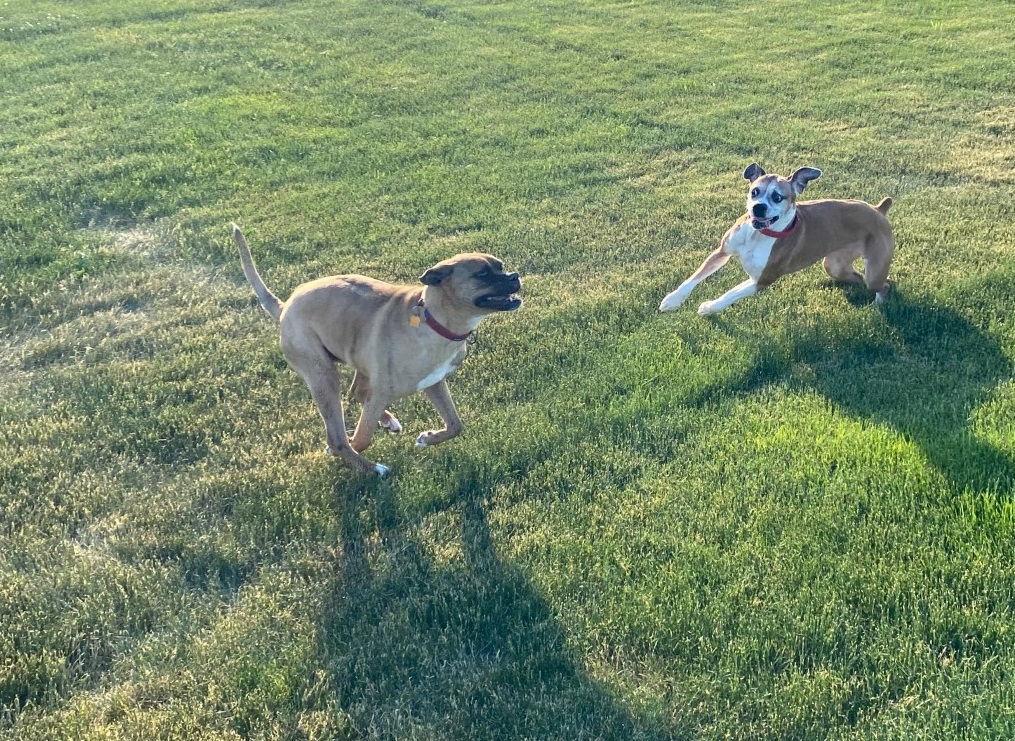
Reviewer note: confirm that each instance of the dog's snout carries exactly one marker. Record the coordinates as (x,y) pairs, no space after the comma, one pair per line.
(758,209)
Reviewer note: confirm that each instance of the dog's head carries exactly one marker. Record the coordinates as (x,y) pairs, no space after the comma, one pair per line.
(476,282)
(770,197)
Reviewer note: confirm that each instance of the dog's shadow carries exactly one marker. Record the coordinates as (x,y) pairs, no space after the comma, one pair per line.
(925,378)
(455,646)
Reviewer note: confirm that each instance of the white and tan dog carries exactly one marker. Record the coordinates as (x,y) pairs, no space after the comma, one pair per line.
(399,340)
(778,236)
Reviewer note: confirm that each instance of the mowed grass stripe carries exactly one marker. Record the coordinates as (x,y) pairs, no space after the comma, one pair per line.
(792,521)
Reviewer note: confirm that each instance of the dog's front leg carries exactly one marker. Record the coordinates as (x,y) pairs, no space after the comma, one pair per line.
(748,288)
(440,396)
(712,263)
(371,414)
(360,390)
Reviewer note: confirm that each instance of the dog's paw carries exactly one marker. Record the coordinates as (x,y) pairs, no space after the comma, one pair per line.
(391,424)
(381,470)
(708,307)
(881,296)
(425,438)
(673,301)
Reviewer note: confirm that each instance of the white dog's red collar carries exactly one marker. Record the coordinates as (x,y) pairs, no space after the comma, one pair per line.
(772,233)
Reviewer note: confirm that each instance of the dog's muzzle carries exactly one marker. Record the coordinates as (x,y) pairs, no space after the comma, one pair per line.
(758,218)
(503,297)
(762,223)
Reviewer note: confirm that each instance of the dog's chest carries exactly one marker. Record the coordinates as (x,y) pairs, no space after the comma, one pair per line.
(752,248)
(441,372)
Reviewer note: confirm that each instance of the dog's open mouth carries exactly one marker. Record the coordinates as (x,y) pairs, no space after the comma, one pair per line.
(502,302)
(763,223)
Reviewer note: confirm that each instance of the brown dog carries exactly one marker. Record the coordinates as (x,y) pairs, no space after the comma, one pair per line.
(399,340)
(778,236)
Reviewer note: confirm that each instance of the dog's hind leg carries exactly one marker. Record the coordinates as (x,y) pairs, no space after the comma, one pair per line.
(440,396)
(360,390)
(839,265)
(877,260)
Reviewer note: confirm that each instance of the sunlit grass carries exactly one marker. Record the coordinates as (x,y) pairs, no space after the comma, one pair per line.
(793,520)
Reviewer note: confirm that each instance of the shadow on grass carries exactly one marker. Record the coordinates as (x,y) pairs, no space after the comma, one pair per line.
(924,378)
(466,648)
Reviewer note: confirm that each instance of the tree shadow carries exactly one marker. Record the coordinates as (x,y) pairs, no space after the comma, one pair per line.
(924,377)
(462,647)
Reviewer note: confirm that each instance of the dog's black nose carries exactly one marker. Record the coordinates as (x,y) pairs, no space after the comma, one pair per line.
(759,209)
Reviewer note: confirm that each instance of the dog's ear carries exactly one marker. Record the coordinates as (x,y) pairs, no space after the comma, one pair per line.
(435,275)
(801,176)
(752,172)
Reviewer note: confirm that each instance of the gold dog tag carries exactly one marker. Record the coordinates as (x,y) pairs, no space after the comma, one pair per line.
(414,320)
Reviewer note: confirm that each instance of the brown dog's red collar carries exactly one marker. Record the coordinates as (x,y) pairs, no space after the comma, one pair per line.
(771,233)
(440,328)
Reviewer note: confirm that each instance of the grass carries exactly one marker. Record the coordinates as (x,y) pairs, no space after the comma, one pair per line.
(792,521)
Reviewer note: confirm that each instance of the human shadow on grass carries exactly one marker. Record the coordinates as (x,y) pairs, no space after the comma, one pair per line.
(924,377)
(457,645)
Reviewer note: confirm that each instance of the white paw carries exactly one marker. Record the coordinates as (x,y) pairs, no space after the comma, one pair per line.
(424,438)
(392,425)
(381,470)
(673,301)
(708,307)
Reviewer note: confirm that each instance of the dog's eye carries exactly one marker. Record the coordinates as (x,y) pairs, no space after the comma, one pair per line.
(754,193)
(776,198)
(483,274)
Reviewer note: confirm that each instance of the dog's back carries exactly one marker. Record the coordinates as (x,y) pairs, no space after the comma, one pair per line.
(843,220)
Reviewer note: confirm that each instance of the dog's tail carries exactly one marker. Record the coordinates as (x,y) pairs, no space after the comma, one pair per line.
(269,301)
(886,203)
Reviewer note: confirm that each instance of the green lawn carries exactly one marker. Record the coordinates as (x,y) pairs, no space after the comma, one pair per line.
(794,520)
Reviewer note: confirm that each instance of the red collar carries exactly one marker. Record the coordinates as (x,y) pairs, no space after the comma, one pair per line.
(440,328)
(784,232)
